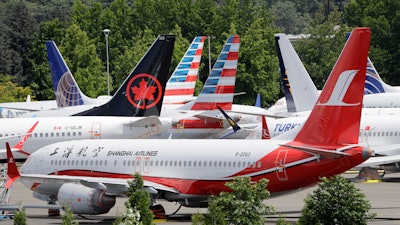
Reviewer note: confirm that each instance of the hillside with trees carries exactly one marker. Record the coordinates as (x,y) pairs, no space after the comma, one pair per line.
(76,27)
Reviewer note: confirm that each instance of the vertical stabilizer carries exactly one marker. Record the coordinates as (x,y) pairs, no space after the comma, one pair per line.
(300,91)
(142,92)
(180,86)
(219,87)
(66,89)
(335,119)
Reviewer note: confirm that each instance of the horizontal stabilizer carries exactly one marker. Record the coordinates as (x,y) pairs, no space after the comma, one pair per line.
(317,151)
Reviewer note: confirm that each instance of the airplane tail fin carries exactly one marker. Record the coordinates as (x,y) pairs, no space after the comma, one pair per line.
(142,92)
(65,87)
(180,86)
(218,90)
(373,82)
(265,131)
(258,101)
(299,90)
(12,170)
(335,118)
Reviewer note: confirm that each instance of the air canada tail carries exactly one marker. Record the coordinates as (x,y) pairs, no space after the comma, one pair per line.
(142,92)
(65,87)
(218,90)
(180,86)
(299,90)
(335,118)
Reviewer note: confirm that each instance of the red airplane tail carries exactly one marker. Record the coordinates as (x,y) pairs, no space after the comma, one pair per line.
(335,119)
(12,170)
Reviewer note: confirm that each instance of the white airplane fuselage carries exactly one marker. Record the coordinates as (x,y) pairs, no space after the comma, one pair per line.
(55,129)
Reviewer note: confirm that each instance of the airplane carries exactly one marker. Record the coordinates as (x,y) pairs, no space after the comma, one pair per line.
(137,115)
(300,93)
(189,171)
(179,88)
(66,90)
(378,129)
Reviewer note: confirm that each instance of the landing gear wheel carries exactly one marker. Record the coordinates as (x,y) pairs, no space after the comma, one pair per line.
(158,211)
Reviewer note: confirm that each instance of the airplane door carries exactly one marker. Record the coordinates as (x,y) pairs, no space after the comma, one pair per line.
(146,165)
(280,164)
(96,131)
(138,162)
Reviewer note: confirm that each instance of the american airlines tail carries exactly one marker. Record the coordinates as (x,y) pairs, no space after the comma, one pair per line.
(66,89)
(300,91)
(218,90)
(342,95)
(180,86)
(142,92)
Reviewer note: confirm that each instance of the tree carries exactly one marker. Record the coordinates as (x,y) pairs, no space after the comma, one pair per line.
(243,205)
(321,49)
(20,217)
(68,217)
(383,18)
(11,92)
(290,22)
(138,205)
(336,201)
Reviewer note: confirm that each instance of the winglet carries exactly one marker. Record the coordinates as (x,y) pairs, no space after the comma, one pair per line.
(142,92)
(21,143)
(12,171)
(335,119)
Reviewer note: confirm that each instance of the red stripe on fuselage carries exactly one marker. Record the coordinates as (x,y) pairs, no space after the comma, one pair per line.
(212,105)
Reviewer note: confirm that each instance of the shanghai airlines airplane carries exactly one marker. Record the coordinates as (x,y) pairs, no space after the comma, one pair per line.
(67,91)
(131,113)
(88,175)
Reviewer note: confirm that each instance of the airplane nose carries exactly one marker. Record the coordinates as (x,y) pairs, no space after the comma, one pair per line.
(367,153)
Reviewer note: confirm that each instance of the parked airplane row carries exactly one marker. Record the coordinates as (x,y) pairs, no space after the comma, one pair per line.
(189,171)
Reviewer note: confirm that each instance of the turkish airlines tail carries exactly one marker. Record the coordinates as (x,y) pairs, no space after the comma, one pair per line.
(142,92)
(218,90)
(335,118)
(180,86)
(65,87)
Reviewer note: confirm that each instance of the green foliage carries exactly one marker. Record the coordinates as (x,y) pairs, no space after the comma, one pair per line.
(20,217)
(383,17)
(11,92)
(138,205)
(244,205)
(336,201)
(68,217)
(320,51)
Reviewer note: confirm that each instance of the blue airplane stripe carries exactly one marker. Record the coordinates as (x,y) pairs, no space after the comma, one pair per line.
(187,59)
(211,81)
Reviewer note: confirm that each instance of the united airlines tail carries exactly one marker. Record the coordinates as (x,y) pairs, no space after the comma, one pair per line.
(180,86)
(218,90)
(66,89)
(142,92)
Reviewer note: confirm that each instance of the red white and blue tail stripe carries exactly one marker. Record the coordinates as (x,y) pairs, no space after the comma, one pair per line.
(180,86)
(219,87)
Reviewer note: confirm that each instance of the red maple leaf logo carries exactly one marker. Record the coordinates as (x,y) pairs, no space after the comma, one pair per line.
(143,92)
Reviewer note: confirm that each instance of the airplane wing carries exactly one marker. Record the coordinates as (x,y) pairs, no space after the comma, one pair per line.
(380,160)
(145,121)
(112,186)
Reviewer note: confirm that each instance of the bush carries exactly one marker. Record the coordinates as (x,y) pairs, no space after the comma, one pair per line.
(336,201)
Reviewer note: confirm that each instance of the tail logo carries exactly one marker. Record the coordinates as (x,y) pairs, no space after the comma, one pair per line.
(340,89)
(144,91)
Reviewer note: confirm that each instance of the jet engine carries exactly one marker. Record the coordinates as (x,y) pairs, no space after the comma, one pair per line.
(84,200)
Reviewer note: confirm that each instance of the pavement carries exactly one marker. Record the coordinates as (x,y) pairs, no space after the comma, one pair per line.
(384,198)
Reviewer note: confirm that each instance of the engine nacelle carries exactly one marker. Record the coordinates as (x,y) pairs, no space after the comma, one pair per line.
(84,200)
